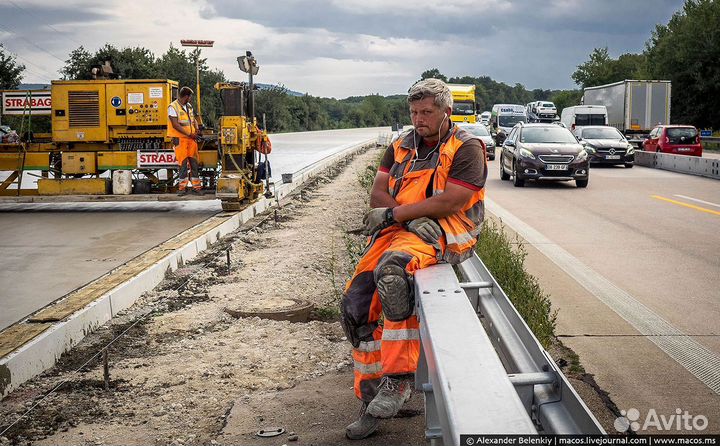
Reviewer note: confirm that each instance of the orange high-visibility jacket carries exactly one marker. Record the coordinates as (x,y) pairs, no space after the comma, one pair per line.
(185,119)
(462,228)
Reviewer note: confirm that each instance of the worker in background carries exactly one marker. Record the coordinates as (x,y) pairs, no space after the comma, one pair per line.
(183,129)
(427,207)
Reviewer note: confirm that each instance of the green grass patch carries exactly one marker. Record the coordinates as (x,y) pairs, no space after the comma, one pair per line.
(367,176)
(328,313)
(505,259)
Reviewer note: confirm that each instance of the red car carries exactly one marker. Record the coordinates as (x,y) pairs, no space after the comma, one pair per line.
(675,139)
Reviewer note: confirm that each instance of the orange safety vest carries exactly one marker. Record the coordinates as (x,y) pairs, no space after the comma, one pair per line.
(185,119)
(460,229)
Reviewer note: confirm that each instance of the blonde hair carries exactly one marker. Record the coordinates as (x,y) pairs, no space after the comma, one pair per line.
(434,88)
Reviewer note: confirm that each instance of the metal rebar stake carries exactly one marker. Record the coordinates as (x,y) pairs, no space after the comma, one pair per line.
(106,370)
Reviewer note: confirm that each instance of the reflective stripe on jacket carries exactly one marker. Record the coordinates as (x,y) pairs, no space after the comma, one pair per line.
(429,178)
(185,119)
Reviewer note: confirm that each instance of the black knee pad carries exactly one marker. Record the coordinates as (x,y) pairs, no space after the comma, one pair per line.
(395,292)
(356,332)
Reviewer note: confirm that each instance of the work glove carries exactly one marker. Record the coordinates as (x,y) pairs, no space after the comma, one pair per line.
(425,228)
(378,219)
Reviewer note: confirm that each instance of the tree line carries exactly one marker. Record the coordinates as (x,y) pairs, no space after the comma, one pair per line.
(685,51)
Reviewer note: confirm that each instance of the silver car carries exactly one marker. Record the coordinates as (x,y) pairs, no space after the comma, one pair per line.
(482,132)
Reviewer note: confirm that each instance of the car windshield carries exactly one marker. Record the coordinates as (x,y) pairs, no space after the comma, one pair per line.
(590,119)
(548,104)
(547,135)
(463,108)
(477,130)
(509,121)
(603,133)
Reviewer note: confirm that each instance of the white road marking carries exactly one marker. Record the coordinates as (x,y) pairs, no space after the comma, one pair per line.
(699,201)
(698,360)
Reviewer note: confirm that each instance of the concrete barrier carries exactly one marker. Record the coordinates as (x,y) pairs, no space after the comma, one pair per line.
(693,165)
(42,351)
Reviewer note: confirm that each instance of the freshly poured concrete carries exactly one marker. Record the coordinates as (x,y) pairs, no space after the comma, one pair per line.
(52,249)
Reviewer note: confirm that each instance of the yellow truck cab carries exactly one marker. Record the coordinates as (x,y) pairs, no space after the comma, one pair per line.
(463,103)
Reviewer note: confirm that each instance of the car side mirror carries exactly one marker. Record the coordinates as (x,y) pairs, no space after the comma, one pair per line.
(510,143)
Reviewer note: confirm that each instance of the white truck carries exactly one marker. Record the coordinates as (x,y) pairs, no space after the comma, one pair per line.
(634,107)
(503,118)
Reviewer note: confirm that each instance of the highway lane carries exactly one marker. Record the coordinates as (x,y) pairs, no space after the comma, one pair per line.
(52,249)
(648,239)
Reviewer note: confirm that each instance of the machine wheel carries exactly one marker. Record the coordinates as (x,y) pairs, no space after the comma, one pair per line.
(628,165)
(517,182)
(582,183)
(503,175)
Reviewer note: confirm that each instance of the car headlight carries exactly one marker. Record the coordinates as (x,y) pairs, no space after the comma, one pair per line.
(525,153)
(589,149)
(630,149)
(583,155)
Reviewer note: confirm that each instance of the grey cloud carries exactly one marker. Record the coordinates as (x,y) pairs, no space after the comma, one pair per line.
(24,17)
(293,15)
(615,16)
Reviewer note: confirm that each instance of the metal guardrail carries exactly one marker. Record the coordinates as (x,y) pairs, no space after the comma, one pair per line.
(693,165)
(481,368)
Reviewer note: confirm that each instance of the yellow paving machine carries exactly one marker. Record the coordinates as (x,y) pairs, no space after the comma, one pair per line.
(107,130)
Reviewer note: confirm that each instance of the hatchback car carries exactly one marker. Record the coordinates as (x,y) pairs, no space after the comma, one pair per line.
(482,132)
(543,152)
(675,139)
(606,145)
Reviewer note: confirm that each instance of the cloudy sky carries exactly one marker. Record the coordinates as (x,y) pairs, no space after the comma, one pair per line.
(340,48)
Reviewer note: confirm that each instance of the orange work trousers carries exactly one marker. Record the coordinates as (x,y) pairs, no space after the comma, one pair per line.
(186,154)
(393,347)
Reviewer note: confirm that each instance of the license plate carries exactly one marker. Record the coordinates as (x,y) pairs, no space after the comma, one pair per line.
(684,149)
(612,157)
(556,167)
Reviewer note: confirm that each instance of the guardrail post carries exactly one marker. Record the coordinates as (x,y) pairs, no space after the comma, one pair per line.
(433,430)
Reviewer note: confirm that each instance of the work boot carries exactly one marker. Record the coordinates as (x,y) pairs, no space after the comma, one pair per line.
(198,192)
(393,392)
(364,426)
(182,192)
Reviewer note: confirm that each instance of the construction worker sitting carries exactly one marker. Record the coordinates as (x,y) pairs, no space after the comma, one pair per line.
(183,129)
(427,201)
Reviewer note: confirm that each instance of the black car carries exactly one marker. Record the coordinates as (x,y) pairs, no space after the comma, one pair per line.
(543,152)
(606,145)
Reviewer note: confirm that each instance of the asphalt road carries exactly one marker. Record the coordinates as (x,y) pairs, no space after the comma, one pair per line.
(632,263)
(52,249)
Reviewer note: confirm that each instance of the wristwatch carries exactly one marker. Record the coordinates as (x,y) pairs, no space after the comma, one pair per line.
(389,217)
